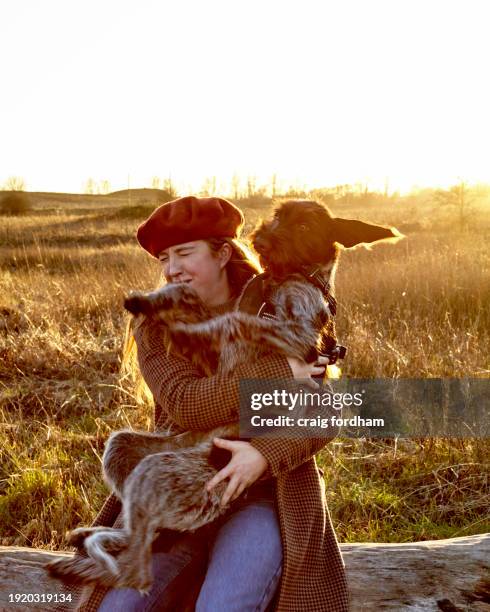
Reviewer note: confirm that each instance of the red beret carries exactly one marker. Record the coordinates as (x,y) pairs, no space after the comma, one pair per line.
(188,219)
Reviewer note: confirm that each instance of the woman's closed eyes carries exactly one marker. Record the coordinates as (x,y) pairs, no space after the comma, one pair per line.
(164,258)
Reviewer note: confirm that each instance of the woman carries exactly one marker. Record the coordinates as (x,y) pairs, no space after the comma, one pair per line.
(279,530)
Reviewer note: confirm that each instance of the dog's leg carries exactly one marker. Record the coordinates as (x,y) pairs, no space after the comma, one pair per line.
(134,563)
(144,503)
(165,491)
(78,536)
(140,505)
(80,570)
(124,450)
(100,565)
(101,543)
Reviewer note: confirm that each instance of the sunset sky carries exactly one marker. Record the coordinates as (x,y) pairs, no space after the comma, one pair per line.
(318,92)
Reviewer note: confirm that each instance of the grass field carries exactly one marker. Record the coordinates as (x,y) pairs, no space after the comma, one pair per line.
(416,309)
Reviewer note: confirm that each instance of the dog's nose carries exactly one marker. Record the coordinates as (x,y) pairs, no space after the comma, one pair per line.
(134,304)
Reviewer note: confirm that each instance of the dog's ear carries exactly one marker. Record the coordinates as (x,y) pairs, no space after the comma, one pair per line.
(350,233)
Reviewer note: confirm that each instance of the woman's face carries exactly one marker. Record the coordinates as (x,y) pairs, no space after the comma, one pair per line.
(195,263)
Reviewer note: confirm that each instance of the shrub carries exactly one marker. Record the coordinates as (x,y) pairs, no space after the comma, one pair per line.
(14,203)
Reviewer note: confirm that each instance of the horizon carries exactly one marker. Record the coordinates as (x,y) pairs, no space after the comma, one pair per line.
(357,188)
(332,94)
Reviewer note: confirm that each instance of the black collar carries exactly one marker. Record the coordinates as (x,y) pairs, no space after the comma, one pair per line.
(315,276)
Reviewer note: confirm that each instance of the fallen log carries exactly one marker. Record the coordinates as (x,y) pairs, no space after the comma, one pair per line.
(22,575)
(449,575)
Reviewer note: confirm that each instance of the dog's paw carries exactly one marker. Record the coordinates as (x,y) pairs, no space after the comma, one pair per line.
(80,570)
(55,568)
(64,569)
(77,537)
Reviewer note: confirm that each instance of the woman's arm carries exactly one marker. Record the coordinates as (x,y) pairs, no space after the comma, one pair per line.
(178,387)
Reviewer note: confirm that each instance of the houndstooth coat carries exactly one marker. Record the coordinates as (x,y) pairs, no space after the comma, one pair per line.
(313,578)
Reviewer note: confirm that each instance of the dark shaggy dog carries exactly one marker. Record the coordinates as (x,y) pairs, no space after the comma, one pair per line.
(161,479)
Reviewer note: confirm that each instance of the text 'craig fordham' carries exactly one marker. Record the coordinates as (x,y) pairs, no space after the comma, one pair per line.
(314,422)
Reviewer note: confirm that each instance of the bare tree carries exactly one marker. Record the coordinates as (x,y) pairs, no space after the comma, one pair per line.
(235,186)
(204,193)
(251,186)
(14,183)
(274,186)
(104,187)
(170,188)
(90,187)
(460,197)
(208,187)
(387,187)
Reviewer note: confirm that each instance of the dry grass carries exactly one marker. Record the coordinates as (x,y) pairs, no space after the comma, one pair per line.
(417,309)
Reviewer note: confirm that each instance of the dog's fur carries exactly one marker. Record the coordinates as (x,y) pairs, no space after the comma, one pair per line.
(161,479)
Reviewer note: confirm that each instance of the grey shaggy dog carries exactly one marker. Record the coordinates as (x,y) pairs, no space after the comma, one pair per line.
(168,474)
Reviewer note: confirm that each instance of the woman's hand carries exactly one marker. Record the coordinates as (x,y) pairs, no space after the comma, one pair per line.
(304,371)
(246,465)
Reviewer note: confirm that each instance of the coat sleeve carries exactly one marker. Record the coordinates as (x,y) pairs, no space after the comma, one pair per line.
(286,454)
(193,401)
(108,513)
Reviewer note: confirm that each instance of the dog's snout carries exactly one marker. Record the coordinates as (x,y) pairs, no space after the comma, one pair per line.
(138,303)
(133,304)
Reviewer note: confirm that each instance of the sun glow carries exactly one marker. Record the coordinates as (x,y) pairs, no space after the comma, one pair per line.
(389,94)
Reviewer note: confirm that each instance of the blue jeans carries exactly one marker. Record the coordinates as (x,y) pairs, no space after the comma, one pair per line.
(243,572)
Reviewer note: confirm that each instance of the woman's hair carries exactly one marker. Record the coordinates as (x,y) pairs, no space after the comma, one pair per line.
(241,267)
